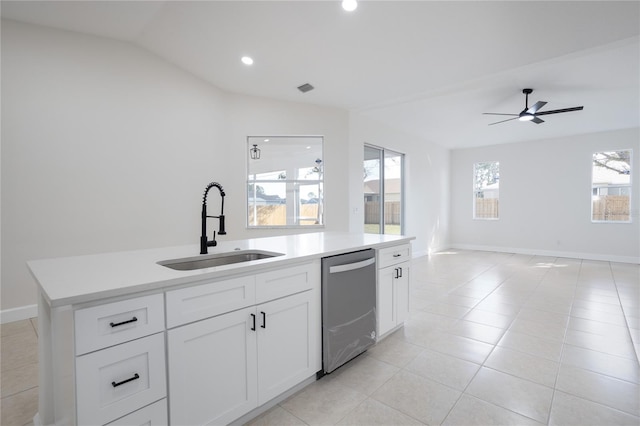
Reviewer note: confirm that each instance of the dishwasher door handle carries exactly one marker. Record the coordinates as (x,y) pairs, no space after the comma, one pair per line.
(352,266)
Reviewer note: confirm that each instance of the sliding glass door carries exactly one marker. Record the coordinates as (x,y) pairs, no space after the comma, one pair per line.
(383,191)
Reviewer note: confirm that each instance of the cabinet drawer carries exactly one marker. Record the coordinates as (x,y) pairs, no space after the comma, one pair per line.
(116,381)
(151,415)
(107,325)
(393,255)
(207,300)
(284,282)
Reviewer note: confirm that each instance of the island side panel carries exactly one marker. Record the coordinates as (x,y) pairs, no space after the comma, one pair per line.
(56,403)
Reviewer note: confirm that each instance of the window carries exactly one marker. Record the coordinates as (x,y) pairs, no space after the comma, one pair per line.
(611,186)
(486,190)
(285,181)
(383,191)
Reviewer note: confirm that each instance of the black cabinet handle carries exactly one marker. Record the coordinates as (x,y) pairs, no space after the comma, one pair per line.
(135,377)
(397,271)
(264,320)
(253,317)
(400,272)
(115,324)
(397,255)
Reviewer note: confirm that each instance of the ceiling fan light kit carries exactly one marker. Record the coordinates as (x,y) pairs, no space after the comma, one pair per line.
(531,113)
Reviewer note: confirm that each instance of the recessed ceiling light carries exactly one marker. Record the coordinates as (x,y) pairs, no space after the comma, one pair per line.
(247,60)
(349,5)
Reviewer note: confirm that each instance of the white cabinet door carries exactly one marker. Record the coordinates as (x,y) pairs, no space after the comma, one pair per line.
(288,343)
(212,369)
(393,297)
(386,301)
(401,289)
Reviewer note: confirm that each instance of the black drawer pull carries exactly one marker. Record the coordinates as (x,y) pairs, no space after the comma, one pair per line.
(253,326)
(135,377)
(115,324)
(264,320)
(397,255)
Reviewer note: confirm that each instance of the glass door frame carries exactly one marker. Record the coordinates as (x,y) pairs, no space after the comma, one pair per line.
(383,154)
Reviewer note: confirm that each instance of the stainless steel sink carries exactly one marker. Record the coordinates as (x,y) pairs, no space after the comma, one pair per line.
(220,259)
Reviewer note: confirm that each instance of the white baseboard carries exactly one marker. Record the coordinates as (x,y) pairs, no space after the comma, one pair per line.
(552,253)
(17,314)
(420,253)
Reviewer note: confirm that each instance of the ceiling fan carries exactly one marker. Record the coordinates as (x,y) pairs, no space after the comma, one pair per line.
(531,113)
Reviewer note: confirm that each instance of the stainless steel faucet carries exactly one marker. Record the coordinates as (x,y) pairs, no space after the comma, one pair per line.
(204,242)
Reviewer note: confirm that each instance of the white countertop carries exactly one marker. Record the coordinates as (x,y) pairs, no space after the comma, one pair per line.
(79,279)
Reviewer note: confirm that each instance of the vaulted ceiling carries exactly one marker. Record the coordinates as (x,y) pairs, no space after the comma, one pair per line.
(430,68)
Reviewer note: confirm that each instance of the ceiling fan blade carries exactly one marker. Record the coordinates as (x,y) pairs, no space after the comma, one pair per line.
(558,111)
(535,107)
(508,119)
(498,113)
(537,120)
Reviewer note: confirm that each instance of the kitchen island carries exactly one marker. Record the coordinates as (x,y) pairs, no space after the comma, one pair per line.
(127,340)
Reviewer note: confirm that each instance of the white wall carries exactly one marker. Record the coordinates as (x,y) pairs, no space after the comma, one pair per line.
(106,147)
(426,182)
(545,199)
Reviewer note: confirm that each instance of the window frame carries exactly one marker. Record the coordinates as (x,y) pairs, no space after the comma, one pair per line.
(476,191)
(617,185)
(383,154)
(292,186)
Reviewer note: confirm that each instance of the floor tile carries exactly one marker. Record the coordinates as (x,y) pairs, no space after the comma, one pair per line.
(538,329)
(596,306)
(16,327)
(418,397)
(364,374)
(20,408)
(18,350)
(544,348)
(445,369)
(600,362)
(551,319)
(599,388)
(446,309)
(523,365)
(476,331)
(323,402)
(513,393)
(277,416)
(395,351)
(597,327)
(465,301)
(19,378)
(489,318)
(471,411)
(499,308)
(622,347)
(568,410)
(606,317)
(372,412)
(460,347)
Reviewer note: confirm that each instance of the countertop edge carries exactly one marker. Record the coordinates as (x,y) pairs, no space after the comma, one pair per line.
(54,286)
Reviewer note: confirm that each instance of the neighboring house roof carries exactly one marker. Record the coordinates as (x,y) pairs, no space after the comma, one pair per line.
(391,186)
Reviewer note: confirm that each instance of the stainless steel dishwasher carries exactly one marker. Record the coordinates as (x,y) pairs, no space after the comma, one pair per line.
(348,307)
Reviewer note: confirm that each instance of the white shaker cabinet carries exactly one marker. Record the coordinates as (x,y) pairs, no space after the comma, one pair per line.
(288,333)
(222,367)
(394,267)
(212,369)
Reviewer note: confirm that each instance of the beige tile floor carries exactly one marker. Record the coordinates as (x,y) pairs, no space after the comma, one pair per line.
(493,339)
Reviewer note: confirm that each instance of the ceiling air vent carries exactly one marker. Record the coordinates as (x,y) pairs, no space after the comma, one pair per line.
(305,88)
